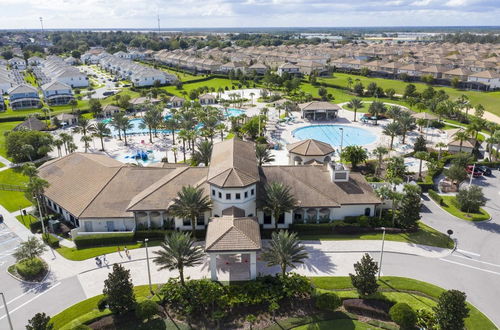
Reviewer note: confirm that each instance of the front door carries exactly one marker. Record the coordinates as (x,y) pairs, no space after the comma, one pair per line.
(110,225)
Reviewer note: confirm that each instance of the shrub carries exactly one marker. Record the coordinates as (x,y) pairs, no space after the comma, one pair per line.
(29,269)
(102,304)
(36,226)
(434,195)
(378,309)
(470,199)
(314,228)
(146,309)
(364,279)
(51,241)
(153,235)
(403,315)
(328,301)
(364,221)
(85,241)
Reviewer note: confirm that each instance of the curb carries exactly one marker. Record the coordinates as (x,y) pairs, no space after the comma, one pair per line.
(30,282)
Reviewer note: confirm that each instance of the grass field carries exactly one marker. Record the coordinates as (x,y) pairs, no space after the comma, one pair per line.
(425,235)
(490,100)
(215,83)
(450,205)
(26,220)
(416,293)
(13,200)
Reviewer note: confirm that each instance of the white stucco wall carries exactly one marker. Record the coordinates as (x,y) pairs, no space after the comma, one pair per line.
(245,203)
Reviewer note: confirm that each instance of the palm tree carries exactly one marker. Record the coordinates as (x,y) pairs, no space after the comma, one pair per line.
(263,154)
(392,129)
(421,155)
(355,104)
(190,203)
(440,145)
(148,121)
(67,139)
(46,111)
(86,139)
(83,126)
(101,130)
(461,136)
(171,124)
(183,135)
(277,199)
(35,190)
(375,109)
(221,127)
(405,123)
(284,250)
(178,252)
(379,152)
(116,123)
(252,94)
(204,152)
(125,125)
(349,83)
(58,143)
(174,150)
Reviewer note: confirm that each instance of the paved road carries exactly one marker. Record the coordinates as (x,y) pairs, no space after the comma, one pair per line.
(24,300)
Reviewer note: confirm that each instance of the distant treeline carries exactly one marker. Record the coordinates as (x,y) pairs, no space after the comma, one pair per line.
(468,37)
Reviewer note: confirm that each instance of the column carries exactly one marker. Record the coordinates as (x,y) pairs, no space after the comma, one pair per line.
(253,265)
(317,215)
(149,219)
(213,266)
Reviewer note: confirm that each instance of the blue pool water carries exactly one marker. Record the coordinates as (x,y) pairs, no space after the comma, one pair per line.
(331,134)
(232,112)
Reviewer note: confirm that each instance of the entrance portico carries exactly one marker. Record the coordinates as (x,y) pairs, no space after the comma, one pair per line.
(232,245)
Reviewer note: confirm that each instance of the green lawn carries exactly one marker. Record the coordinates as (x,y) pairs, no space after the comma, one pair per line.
(343,324)
(425,235)
(450,205)
(215,83)
(26,220)
(86,310)
(490,100)
(82,254)
(4,127)
(13,200)
(400,289)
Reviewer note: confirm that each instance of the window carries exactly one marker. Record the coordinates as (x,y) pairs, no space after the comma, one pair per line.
(246,194)
(238,196)
(250,215)
(186,222)
(252,192)
(267,219)
(281,219)
(220,194)
(213,192)
(228,196)
(367,211)
(200,221)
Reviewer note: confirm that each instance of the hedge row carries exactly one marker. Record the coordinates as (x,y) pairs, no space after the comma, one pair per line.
(36,226)
(85,241)
(436,197)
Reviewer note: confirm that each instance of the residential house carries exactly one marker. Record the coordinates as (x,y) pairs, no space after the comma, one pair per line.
(207,99)
(34,61)
(17,63)
(177,101)
(109,110)
(67,119)
(57,93)
(24,96)
(487,79)
(289,68)
(31,124)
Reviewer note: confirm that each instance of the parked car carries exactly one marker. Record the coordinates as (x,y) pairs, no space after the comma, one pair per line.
(485,169)
(477,171)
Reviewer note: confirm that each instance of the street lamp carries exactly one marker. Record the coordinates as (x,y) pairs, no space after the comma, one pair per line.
(381,253)
(147,262)
(472,174)
(7,311)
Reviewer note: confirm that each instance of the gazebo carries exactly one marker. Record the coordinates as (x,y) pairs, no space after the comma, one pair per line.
(317,110)
(232,244)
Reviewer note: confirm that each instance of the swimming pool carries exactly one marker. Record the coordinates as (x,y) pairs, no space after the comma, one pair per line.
(331,134)
(232,112)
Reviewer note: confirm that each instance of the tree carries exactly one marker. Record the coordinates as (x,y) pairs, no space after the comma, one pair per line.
(40,321)
(471,199)
(390,92)
(421,155)
(263,154)
(440,145)
(354,155)
(119,290)
(355,104)
(379,152)
(396,169)
(375,109)
(101,130)
(35,189)
(392,130)
(420,144)
(403,315)
(146,310)
(479,111)
(95,107)
(116,122)
(204,152)
(456,174)
(190,203)
(83,126)
(25,145)
(364,279)
(406,122)
(178,252)
(409,209)
(455,82)
(410,91)
(284,250)
(277,199)
(30,249)
(359,89)
(451,310)
(86,139)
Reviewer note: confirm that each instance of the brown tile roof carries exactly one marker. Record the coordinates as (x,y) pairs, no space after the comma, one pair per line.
(310,147)
(76,179)
(311,186)
(318,105)
(233,164)
(233,234)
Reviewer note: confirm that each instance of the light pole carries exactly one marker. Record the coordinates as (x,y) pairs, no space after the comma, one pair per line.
(472,174)
(40,213)
(381,253)
(7,311)
(341,140)
(147,262)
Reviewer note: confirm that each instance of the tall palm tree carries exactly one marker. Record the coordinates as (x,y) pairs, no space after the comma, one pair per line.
(174,150)
(421,155)
(375,109)
(277,199)
(83,126)
(67,139)
(149,122)
(204,152)
(178,252)
(392,129)
(252,94)
(221,127)
(440,145)
(171,124)
(263,154)
(58,143)
(101,130)
(183,135)
(461,136)
(406,122)
(86,139)
(355,104)
(46,111)
(379,152)
(284,250)
(125,125)
(190,203)
(116,123)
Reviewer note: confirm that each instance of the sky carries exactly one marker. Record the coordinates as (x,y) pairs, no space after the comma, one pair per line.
(24,14)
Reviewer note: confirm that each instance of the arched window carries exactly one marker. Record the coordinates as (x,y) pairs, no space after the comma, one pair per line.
(368,211)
